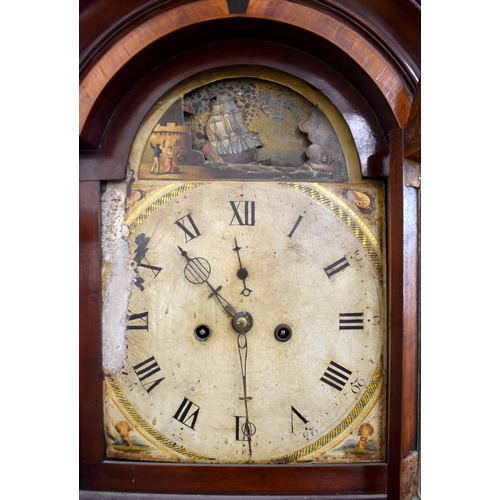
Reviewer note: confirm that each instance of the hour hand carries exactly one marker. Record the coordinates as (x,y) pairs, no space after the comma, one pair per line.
(197,271)
(242,273)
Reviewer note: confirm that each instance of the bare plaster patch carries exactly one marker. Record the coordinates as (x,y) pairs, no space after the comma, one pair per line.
(117,275)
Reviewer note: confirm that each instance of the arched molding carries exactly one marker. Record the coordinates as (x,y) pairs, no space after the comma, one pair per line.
(393,83)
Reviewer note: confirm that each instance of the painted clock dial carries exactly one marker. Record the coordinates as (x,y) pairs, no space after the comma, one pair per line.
(255,324)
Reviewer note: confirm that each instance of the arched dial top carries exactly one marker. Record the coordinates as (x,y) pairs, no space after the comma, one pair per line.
(256,324)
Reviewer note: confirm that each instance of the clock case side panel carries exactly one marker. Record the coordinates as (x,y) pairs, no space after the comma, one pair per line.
(90,389)
(403,304)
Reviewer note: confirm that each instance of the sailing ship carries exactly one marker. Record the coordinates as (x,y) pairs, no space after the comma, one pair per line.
(229,140)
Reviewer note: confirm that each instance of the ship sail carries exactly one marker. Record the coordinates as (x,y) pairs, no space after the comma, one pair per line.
(227,133)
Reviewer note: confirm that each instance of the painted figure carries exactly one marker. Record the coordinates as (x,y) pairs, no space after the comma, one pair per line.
(157,151)
(168,160)
(364,432)
(123,428)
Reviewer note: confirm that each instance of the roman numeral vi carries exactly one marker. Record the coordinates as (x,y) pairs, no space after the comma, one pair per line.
(187,413)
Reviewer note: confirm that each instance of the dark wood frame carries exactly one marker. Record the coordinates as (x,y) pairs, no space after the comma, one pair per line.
(389,148)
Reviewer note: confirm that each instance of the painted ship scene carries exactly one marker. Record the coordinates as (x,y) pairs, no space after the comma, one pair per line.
(229,140)
(243,129)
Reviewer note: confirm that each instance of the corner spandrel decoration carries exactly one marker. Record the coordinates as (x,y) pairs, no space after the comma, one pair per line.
(243,128)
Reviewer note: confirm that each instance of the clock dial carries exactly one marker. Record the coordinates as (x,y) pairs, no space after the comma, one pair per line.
(256,323)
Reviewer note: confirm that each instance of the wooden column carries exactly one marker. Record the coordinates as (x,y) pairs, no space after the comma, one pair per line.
(403,248)
(91,426)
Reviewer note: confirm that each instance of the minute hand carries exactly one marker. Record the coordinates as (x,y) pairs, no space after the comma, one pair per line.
(248,427)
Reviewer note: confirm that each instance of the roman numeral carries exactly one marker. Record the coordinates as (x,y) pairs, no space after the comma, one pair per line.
(295,412)
(155,269)
(138,321)
(240,436)
(297,222)
(187,413)
(244,430)
(187,224)
(146,369)
(351,321)
(336,267)
(243,213)
(336,376)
